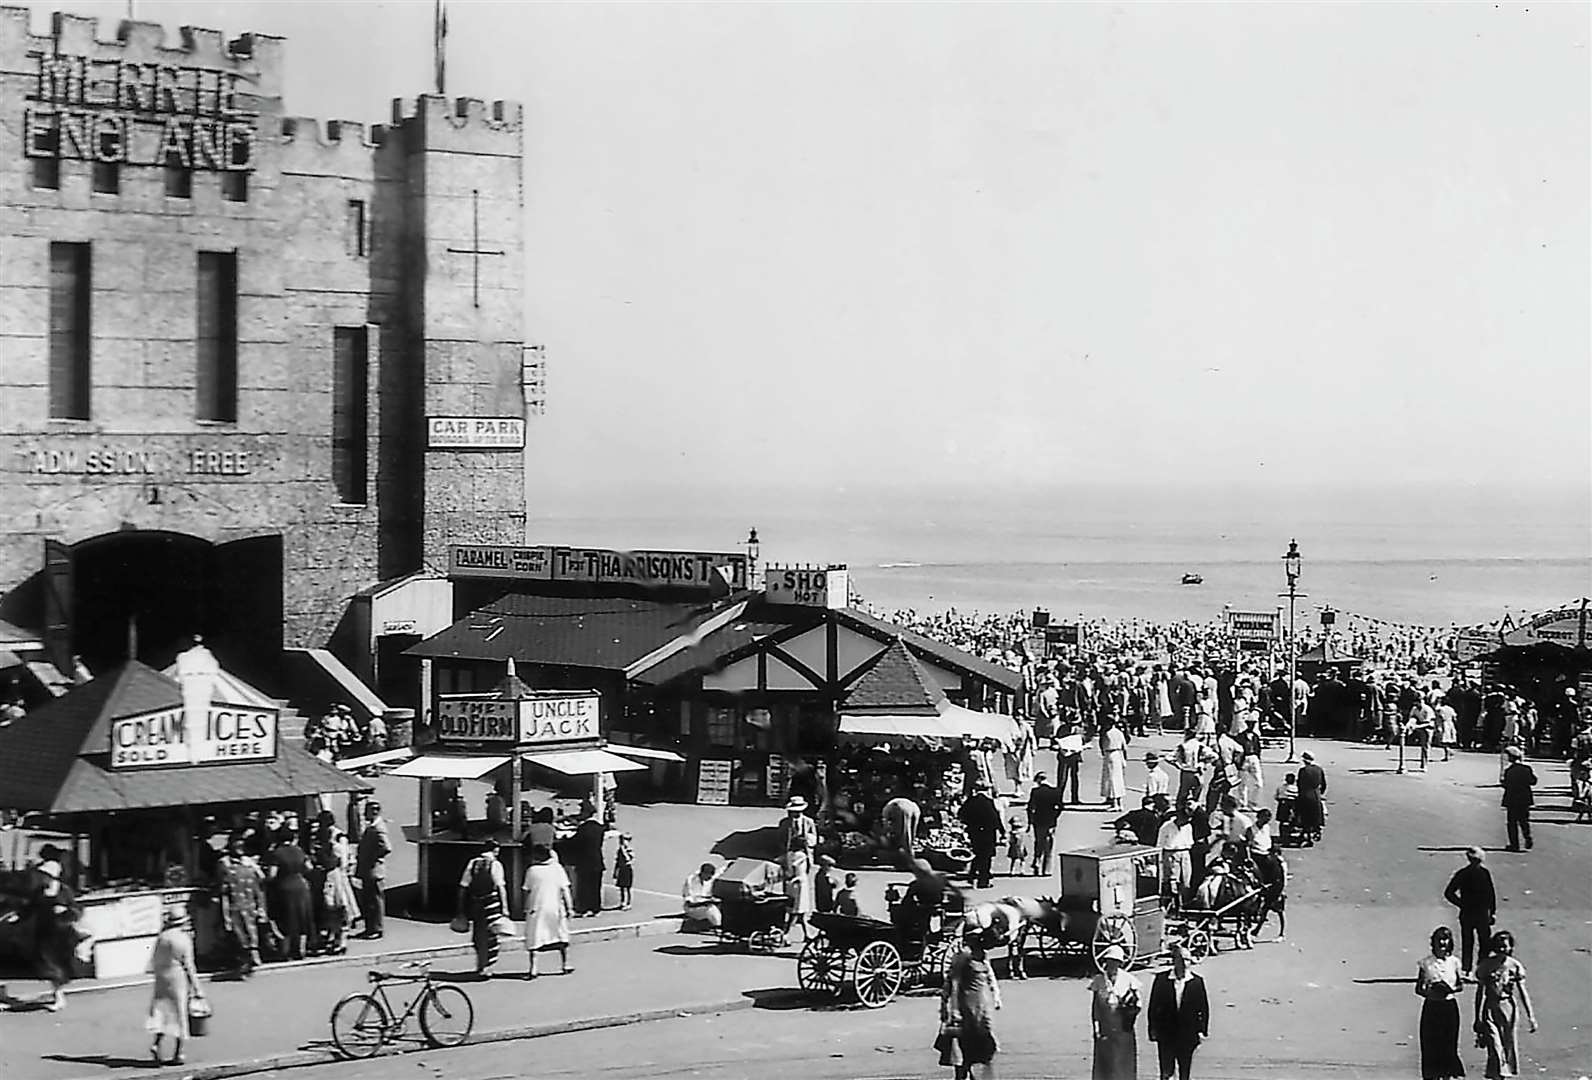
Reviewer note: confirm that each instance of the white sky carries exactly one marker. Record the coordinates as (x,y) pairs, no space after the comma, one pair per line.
(895,244)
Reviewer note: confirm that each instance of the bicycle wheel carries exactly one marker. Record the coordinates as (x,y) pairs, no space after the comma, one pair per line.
(359,1025)
(446,1016)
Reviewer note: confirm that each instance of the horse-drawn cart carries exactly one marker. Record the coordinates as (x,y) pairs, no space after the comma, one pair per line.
(873,960)
(1110,895)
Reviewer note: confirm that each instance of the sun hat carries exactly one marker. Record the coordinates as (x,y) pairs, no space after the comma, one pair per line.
(1113,952)
(1475,854)
(1152,756)
(796,802)
(1514,752)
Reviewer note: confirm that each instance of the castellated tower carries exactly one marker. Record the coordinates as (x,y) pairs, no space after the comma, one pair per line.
(250,364)
(465,276)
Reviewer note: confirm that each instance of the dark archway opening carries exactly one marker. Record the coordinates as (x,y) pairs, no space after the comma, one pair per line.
(151,592)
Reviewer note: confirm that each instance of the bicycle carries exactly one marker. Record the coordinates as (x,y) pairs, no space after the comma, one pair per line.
(362,1022)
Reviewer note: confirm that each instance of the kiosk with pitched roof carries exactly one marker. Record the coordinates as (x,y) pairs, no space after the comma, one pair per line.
(133,765)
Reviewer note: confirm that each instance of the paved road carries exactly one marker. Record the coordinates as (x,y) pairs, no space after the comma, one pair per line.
(1334,998)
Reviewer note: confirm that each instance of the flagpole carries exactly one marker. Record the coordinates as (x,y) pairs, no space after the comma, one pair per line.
(439,25)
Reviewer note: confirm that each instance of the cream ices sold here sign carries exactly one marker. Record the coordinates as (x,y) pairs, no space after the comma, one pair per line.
(165,737)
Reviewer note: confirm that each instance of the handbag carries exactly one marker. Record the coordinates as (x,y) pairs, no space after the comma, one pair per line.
(459,924)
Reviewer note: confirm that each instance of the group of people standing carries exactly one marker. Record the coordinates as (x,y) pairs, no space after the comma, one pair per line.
(1177,1007)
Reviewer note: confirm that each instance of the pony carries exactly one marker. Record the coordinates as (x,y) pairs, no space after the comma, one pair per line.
(1011,919)
(1231,892)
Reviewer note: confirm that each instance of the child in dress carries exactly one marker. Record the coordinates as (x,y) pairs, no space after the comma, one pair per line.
(624,870)
(1017,844)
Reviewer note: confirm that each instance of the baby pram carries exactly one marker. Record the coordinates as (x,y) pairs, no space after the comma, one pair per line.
(753,907)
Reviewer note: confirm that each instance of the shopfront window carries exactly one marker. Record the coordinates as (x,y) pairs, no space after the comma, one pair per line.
(721,726)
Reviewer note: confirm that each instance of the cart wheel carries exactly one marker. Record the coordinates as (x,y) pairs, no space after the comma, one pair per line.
(876,974)
(1199,945)
(821,968)
(1114,930)
(766,940)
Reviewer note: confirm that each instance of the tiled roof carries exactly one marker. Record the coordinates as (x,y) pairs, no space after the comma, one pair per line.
(733,640)
(944,655)
(91,786)
(895,682)
(56,758)
(569,631)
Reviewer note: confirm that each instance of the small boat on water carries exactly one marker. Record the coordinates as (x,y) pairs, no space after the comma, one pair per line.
(1193,579)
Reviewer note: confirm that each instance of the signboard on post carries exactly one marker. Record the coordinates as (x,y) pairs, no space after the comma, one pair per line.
(1254,625)
(543,718)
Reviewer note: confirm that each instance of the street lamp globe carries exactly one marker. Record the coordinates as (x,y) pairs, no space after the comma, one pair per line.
(1291,560)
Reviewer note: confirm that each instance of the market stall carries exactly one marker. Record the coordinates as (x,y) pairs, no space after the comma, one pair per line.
(496,756)
(141,769)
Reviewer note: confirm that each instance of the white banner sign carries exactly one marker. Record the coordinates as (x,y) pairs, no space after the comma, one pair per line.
(546,717)
(475,433)
(1253,625)
(225,733)
(713,782)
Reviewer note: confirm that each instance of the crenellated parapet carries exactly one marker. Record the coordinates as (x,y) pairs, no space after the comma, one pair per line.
(142,58)
(335,147)
(461,124)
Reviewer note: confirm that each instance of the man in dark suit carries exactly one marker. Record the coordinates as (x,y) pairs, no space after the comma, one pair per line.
(1519,779)
(1471,891)
(984,830)
(1179,1014)
(1044,810)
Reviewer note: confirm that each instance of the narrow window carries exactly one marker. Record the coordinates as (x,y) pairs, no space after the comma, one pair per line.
(350,400)
(356,228)
(71,285)
(47,170)
(179,182)
(216,334)
(235,186)
(107,178)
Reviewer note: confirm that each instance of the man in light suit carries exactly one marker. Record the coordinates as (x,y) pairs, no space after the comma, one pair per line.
(370,867)
(1179,1014)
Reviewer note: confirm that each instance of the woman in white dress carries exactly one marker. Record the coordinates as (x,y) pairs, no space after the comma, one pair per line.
(548,904)
(1113,765)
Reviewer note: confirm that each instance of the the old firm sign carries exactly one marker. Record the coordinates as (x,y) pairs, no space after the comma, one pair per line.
(217,735)
(546,717)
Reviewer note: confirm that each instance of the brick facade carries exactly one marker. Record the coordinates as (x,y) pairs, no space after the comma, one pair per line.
(442,179)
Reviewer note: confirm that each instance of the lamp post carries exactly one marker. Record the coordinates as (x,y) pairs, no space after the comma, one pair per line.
(1290,566)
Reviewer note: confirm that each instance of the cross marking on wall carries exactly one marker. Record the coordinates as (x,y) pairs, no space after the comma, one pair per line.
(475,249)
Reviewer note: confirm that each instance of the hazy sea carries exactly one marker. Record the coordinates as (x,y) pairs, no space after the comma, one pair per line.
(1425,556)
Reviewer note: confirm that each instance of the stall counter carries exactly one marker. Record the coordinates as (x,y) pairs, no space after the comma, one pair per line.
(124,925)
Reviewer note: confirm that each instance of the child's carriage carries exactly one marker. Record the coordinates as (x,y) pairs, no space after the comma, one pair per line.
(752,904)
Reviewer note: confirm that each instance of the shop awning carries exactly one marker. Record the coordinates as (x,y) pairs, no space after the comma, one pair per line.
(583,762)
(451,766)
(955,724)
(645,753)
(883,728)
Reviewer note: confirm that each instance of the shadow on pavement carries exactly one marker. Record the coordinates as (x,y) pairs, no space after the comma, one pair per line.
(108,1061)
(706,948)
(1393,980)
(1462,847)
(784,1000)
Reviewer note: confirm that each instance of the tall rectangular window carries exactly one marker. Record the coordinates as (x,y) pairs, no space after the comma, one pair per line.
(107,178)
(71,284)
(350,401)
(179,182)
(216,335)
(355,227)
(235,186)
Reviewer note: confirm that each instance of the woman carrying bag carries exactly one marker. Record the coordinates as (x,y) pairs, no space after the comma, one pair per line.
(177,998)
(969,998)
(483,900)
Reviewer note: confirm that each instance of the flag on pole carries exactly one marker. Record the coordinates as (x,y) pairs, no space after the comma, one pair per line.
(440,22)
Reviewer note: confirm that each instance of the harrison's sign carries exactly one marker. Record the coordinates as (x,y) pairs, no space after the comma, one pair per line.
(661,569)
